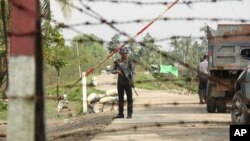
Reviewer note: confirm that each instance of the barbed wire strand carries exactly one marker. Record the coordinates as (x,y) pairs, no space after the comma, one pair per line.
(136,21)
(95,15)
(141,3)
(103,20)
(136,34)
(101,41)
(135,127)
(98,15)
(214,79)
(132,38)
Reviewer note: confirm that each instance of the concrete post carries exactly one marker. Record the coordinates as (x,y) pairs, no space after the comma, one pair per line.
(84,94)
(25,89)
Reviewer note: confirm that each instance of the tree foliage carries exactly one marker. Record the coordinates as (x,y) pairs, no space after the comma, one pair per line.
(114,43)
(144,53)
(55,51)
(91,51)
(188,51)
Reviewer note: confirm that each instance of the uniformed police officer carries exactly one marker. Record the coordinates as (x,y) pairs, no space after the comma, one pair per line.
(125,70)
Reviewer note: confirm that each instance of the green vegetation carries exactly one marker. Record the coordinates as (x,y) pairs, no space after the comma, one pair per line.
(55,51)
(3,110)
(74,97)
(165,82)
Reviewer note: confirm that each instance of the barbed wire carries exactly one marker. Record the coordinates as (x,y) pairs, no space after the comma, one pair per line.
(90,12)
(136,21)
(186,65)
(102,20)
(98,16)
(174,81)
(146,105)
(141,3)
(101,41)
(93,14)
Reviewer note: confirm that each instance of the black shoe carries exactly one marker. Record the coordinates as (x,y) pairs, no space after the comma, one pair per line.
(119,116)
(129,116)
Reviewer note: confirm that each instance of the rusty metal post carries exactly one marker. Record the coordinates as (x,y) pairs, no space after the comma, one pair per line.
(25,91)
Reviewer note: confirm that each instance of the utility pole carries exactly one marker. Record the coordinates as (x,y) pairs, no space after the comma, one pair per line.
(78,58)
(160,57)
(25,70)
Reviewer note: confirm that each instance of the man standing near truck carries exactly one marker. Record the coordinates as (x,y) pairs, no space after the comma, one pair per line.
(203,74)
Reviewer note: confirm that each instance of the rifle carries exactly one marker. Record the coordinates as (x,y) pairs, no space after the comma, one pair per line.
(131,82)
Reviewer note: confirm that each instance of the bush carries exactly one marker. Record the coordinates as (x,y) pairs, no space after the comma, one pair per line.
(3,106)
(165,82)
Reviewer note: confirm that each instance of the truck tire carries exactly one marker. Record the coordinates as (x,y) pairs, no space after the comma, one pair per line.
(211,105)
(221,105)
(239,113)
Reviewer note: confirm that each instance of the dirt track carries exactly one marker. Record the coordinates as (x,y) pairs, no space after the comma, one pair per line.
(159,115)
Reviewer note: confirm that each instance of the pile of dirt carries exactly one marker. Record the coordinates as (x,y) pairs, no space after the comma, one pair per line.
(80,128)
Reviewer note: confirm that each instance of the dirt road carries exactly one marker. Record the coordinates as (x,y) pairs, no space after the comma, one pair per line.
(159,115)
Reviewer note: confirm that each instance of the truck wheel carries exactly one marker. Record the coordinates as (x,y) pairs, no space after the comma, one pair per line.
(211,105)
(221,105)
(239,113)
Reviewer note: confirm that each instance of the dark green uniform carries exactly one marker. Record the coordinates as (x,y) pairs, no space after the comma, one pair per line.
(123,85)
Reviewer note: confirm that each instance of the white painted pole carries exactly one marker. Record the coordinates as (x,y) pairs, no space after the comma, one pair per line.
(84,94)
(21,110)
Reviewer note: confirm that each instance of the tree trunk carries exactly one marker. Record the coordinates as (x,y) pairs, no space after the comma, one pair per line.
(57,83)
(3,63)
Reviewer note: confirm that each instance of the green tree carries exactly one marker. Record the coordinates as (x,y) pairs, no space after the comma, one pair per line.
(91,51)
(55,51)
(189,51)
(206,30)
(133,47)
(147,53)
(114,43)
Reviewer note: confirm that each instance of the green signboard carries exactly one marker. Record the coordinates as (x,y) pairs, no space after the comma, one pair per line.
(169,69)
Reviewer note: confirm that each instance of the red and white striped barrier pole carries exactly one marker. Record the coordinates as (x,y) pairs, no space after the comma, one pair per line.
(26,110)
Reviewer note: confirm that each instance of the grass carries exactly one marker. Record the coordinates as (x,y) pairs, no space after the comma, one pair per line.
(75,99)
(74,96)
(165,82)
(3,110)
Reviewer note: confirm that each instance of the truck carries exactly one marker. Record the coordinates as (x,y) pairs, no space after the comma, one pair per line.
(228,56)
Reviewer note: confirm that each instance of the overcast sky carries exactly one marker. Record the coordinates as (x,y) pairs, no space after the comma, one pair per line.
(160,29)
